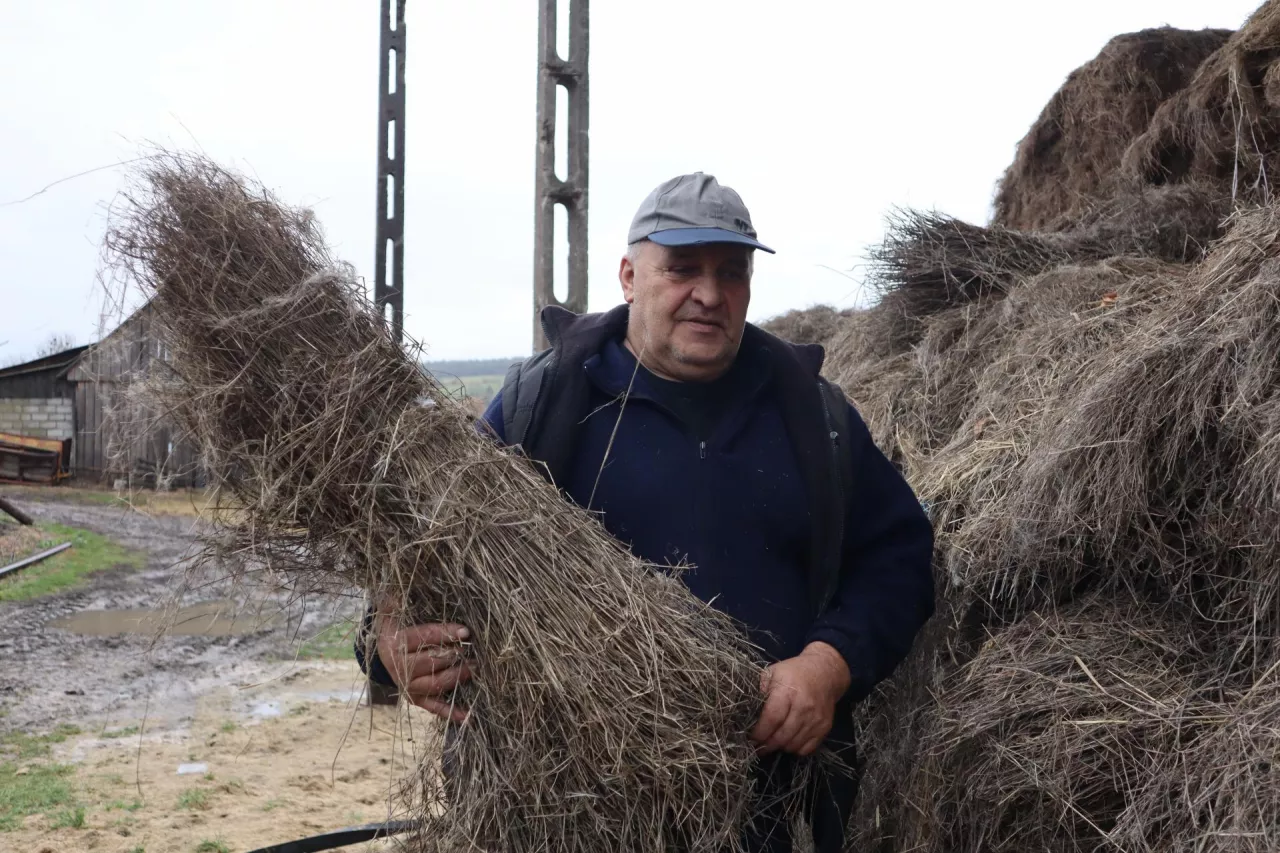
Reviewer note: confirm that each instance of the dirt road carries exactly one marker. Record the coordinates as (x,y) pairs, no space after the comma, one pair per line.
(90,696)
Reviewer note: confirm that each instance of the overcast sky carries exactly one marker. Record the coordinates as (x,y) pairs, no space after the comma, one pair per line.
(823,114)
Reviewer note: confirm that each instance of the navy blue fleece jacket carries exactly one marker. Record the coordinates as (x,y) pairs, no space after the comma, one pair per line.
(733,506)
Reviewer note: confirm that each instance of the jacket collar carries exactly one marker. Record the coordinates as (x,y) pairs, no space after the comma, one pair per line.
(810,356)
(611,371)
(561,325)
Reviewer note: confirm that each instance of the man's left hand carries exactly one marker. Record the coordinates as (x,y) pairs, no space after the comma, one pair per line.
(800,700)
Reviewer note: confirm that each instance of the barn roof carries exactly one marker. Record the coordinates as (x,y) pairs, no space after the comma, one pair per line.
(59,361)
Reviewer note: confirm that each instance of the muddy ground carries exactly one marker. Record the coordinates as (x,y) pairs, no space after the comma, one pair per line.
(290,747)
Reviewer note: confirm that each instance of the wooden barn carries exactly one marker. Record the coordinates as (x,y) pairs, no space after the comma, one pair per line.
(79,394)
(37,418)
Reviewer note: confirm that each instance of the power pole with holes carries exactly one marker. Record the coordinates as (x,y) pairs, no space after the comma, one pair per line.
(388,290)
(554,72)
(388,295)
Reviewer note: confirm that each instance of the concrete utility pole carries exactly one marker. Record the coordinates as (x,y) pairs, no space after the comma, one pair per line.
(390,225)
(555,71)
(390,230)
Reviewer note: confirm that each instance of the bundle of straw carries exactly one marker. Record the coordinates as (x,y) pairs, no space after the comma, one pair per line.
(610,708)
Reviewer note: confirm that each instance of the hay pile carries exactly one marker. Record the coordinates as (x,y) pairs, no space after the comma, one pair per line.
(1221,129)
(610,709)
(1070,157)
(1092,413)
(815,325)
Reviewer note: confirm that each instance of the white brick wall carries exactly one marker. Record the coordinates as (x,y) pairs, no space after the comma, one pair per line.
(39,418)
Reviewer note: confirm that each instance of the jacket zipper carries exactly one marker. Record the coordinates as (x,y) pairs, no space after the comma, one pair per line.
(702,450)
(829,585)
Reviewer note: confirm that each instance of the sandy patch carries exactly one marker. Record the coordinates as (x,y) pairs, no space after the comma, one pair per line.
(294,755)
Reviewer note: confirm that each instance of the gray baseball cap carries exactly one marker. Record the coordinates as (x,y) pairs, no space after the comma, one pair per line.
(694,209)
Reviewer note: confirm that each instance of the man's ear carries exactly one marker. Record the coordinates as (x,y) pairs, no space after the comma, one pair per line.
(627,276)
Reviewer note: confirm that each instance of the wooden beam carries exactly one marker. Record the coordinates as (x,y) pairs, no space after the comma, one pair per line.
(21,516)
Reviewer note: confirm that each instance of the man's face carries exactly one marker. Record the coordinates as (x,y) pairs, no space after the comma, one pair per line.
(688,307)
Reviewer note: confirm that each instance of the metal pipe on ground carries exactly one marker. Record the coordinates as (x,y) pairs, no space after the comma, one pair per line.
(33,559)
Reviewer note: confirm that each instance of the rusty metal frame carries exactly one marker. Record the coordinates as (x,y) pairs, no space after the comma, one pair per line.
(390,228)
(571,191)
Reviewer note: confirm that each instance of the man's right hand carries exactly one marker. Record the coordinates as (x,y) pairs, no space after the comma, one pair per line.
(426,662)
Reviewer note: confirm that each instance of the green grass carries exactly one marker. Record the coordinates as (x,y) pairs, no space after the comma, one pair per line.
(94,496)
(99,497)
(138,849)
(125,732)
(184,502)
(121,805)
(227,727)
(193,798)
(23,745)
(38,790)
(272,805)
(72,818)
(17,542)
(336,642)
(216,845)
(89,553)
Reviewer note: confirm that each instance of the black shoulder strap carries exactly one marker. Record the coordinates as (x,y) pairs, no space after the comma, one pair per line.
(838,412)
(811,417)
(520,393)
(545,398)
(829,560)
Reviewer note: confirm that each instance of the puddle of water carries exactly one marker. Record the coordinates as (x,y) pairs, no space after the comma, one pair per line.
(211,619)
(266,709)
(345,696)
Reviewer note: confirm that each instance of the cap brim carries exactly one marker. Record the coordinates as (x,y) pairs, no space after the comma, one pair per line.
(700,236)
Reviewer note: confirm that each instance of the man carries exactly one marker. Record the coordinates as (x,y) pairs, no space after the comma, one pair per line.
(702,439)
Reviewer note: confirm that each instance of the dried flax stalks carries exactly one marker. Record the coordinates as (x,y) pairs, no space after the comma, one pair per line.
(611,707)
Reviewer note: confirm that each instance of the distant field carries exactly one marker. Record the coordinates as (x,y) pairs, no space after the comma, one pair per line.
(471,368)
(481,387)
(477,378)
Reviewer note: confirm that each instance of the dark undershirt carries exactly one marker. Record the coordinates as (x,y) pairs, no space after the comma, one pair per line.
(700,406)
